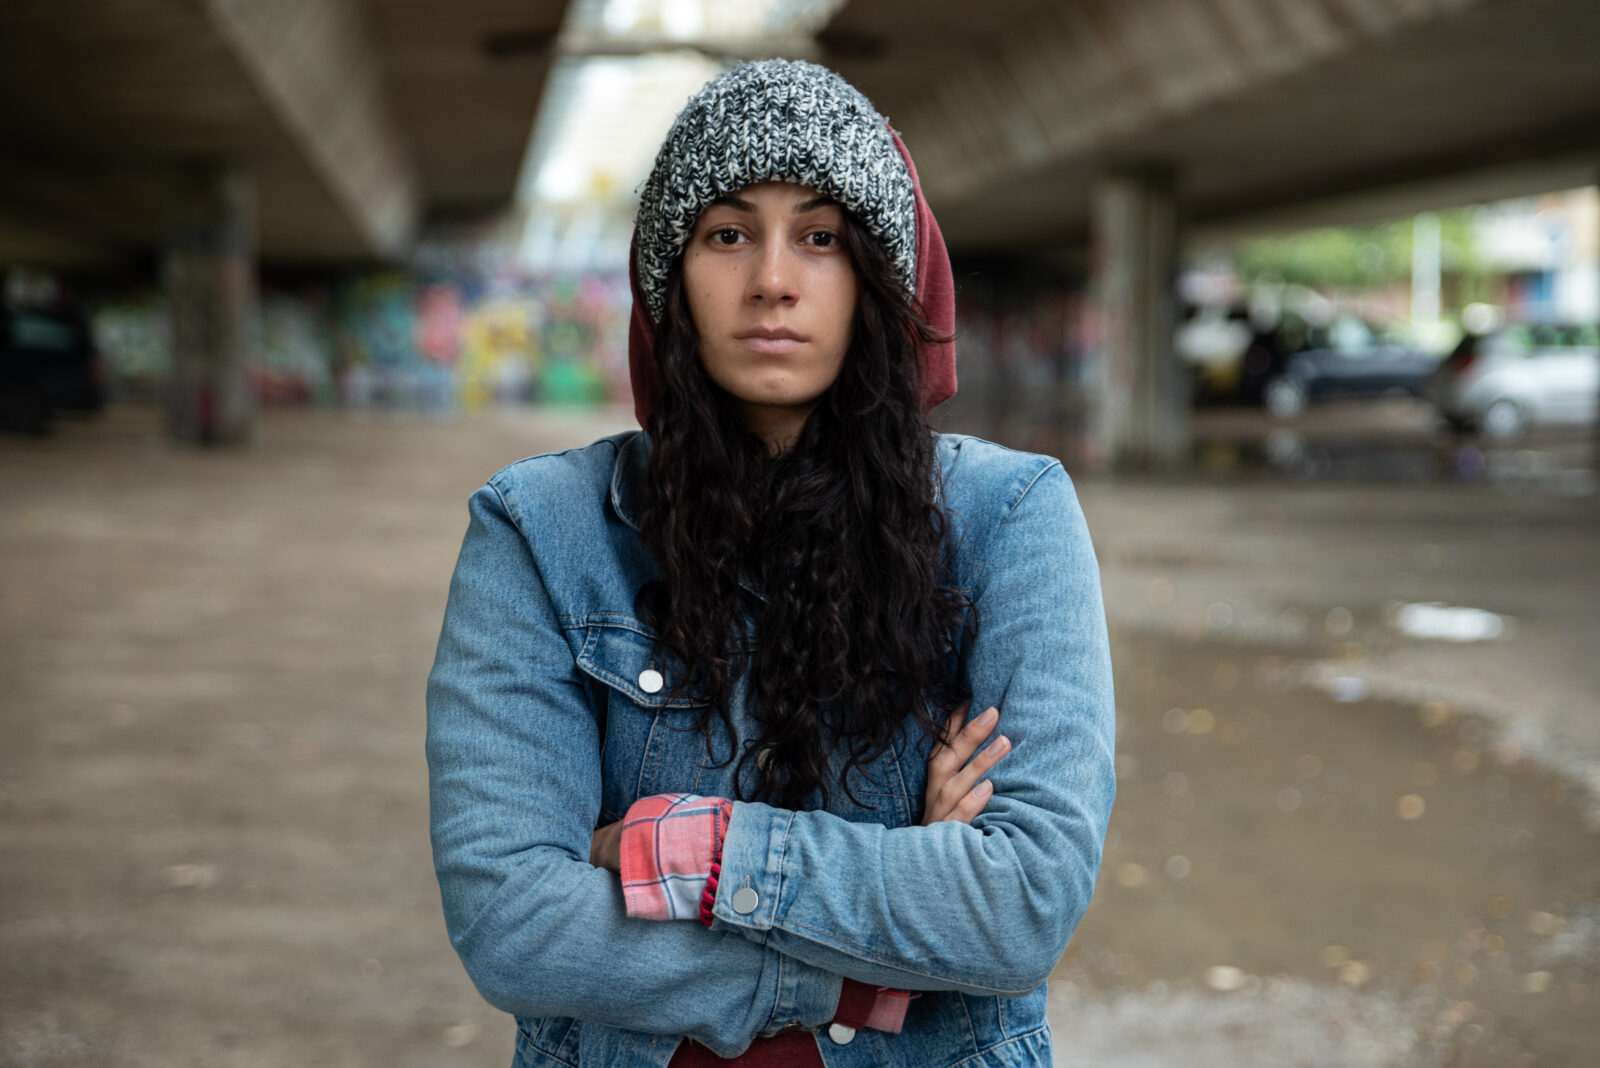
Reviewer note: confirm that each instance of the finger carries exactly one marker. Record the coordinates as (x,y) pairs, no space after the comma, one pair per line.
(973,803)
(963,782)
(972,735)
(943,758)
(987,758)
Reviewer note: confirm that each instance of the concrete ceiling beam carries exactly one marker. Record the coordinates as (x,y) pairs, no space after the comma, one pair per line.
(585,44)
(1259,105)
(315,63)
(1076,74)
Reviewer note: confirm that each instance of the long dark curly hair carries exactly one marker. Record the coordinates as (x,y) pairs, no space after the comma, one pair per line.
(832,551)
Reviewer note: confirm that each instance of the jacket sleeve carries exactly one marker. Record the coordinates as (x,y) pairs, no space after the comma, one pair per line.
(986,908)
(514,770)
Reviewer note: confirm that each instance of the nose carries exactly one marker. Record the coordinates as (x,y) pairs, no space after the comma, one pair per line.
(772,275)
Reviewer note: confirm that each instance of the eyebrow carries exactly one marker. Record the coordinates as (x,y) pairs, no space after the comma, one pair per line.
(740,204)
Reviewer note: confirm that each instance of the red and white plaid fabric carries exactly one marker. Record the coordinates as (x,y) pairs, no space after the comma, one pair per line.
(669,844)
(671,854)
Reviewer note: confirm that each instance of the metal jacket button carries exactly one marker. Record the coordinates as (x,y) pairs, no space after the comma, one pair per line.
(745,900)
(650,680)
(841,1034)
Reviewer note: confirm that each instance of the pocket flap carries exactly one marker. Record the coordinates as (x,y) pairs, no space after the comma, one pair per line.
(619,655)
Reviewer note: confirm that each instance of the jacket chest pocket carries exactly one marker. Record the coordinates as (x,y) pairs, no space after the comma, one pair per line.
(888,791)
(651,745)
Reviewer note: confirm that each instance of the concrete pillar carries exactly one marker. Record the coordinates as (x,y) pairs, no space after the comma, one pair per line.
(211,293)
(1139,394)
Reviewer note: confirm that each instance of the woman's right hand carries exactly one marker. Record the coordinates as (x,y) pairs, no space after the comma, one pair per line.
(956,787)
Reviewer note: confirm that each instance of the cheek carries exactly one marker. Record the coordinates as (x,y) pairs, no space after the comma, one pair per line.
(706,290)
(842,313)
(700,312)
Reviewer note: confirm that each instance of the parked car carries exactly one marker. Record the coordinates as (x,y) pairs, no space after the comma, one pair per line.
(1231,351)
(1268,354)
(1210,341)
(1504,383)
(48,364)
(1345,359)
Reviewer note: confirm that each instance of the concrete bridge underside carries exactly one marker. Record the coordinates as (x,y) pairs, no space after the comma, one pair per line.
(355,120)
(1014,107)
(206,133)
(1103,131)
(1107,133)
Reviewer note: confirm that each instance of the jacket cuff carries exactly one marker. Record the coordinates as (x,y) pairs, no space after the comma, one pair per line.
(749,890)
(750,884)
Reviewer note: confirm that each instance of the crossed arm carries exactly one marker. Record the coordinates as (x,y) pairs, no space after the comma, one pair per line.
(514,764)
(667,850)
(956,790)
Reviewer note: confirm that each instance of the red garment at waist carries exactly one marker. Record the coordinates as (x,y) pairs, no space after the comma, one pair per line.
(792,1049)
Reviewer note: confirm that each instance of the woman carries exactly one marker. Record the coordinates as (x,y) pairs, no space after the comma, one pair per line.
(716,657)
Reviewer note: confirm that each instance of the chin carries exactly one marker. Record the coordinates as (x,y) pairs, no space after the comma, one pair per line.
(776,395)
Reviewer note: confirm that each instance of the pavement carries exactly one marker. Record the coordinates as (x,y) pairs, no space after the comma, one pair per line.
(1343,836)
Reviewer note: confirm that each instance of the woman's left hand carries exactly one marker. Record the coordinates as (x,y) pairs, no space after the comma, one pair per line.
(605,848)
(956,789)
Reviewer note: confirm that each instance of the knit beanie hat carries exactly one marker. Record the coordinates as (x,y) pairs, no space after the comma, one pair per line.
(787,121)
(774,121)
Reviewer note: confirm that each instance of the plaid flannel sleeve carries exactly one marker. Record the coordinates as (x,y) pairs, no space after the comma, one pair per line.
(671,844)
(671,854)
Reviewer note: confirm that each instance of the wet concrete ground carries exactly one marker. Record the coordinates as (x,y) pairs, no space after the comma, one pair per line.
(1334,844)
(1427,897)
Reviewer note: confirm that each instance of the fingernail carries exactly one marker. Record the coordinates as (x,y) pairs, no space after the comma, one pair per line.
(989,716)
(999,745)
(984,788)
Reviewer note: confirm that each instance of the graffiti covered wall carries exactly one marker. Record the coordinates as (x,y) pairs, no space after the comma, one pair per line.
(1022,344)
(427,342)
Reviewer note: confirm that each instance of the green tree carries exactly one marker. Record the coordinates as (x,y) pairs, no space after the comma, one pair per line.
(1360,257)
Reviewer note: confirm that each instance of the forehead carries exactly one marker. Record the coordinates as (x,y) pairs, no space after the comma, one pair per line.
(775,197)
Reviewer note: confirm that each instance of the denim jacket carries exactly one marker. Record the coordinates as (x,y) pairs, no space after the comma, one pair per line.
(539,731)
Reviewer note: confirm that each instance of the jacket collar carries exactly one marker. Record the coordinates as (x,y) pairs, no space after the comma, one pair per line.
(628,477)
(627,488)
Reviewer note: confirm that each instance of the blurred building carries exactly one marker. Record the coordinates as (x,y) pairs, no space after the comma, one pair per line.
(1548,246)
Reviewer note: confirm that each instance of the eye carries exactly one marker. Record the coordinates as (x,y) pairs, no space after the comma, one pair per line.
(823,239)
(726,236)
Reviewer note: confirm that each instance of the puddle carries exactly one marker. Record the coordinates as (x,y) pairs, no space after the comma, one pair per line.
(1275,843)
(1448,623)
(1561,465)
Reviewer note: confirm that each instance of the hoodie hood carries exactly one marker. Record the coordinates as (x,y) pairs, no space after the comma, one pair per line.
(935,292)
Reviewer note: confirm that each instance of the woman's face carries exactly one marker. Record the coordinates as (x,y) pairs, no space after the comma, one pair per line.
(773,296)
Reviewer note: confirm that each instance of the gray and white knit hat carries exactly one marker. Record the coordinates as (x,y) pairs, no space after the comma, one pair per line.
(774,121)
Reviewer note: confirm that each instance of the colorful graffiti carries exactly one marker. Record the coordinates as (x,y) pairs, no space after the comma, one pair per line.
(294,350)
(134,336)
(479,340)
(420,342)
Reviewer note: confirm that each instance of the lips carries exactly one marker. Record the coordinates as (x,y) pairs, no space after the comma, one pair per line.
(772,341)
